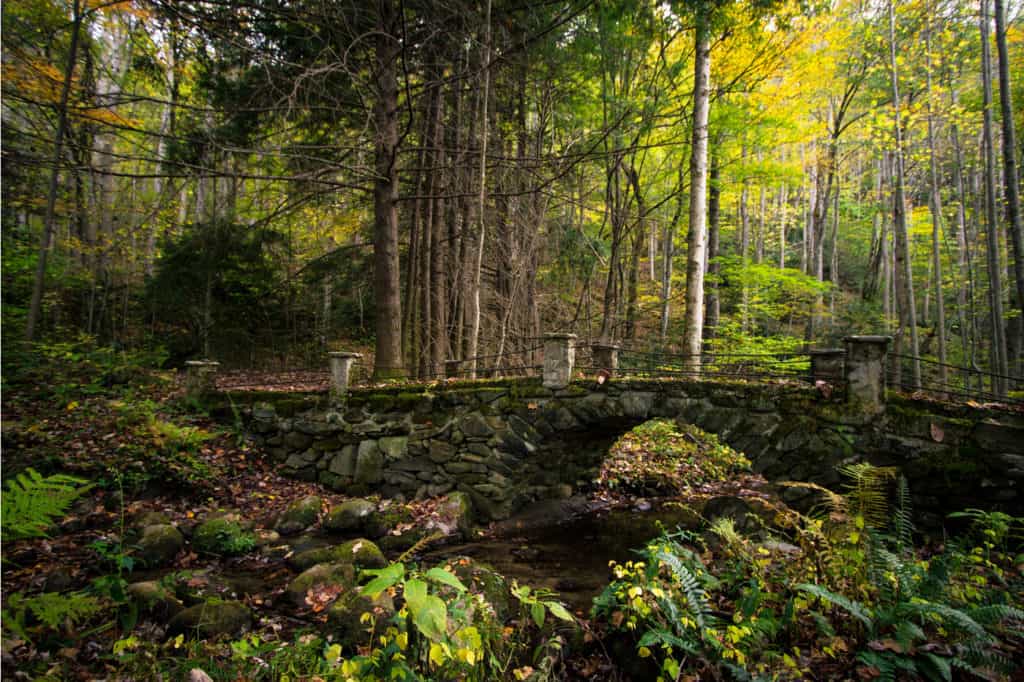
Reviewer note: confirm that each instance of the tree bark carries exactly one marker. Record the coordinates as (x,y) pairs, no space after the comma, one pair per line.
(36,304)
(936,205)
(473,339)
(387,292)
(905,292)
(1011,179)
(712,300)
(1000,365)
(696,248)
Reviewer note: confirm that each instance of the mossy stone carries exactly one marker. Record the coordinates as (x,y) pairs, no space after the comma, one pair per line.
(350,515)
(345,616)
(224,535)
(299,515)
(360,552)
(159,544)
(328,575)
(154,599)
(212,619)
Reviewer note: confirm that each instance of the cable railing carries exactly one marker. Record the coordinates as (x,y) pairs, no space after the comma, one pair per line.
(961,383)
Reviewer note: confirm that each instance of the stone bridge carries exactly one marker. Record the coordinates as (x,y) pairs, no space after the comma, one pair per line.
(509,442)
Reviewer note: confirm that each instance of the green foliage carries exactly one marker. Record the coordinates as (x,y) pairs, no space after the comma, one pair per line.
(664,458)
(50,612)
(445,630)
(854,593)
(225,536)
(32,502)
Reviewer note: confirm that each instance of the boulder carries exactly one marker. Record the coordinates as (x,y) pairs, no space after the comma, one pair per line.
(154,599)
(299,515)
(345,617)
(361,553)
(350,515)
(211,619)
(159,544)
(340,576)
(223,534)
(369,463)
(455,514)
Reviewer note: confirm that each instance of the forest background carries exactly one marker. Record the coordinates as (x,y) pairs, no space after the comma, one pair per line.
(260,182)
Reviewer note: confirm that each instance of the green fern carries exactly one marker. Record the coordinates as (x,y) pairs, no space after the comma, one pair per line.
(867,491)
(50,609)
(32,502)
(696,597)
(855,609)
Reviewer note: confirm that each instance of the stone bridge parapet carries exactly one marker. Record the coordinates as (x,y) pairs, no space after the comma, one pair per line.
(508,442)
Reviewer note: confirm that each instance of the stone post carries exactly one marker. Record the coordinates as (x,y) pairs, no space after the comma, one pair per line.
(451,369)
(865,372)
(200,378)
(341,371)
(827,364)
(559,356)
(606,356)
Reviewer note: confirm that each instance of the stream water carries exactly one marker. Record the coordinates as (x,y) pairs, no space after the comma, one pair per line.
(570,557)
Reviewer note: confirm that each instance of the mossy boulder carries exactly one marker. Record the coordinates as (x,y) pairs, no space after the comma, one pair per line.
(483,580)
(212,619)
(225,535)
(361,553)
(196,587)
(341,576)
(299,515)
(345,616)
(150,518)
(383,522)
(154,599)
(349,516)
(159,544)
(455,514)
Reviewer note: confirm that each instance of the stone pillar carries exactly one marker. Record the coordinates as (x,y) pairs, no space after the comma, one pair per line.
(559,357)
(865,372)
(451,369)
(606,356)
(827,364)
(200,378)
(341,371)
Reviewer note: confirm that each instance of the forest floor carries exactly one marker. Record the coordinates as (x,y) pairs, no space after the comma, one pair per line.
(147,453)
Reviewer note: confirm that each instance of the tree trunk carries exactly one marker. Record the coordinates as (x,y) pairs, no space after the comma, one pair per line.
(36,304)
(712,300)
(696,247)
(1011,179)
(936,204)
(473,339)
(905,291)
(1000,365)
(387,292)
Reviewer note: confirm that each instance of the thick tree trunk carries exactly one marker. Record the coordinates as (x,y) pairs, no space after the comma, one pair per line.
(696,247)
(36,304)
(387,292)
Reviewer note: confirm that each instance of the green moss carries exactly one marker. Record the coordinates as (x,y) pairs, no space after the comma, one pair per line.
(223,535)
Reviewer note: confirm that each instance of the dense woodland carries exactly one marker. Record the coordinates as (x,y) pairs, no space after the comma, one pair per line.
(261,182)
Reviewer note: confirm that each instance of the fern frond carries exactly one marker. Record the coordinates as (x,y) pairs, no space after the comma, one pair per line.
(833,502)
(855,609)
(903,525)
(32,502)
(867,491)
(695,595)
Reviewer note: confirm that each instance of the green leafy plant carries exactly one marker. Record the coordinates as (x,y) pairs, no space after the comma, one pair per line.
(51,610)
(32,502)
